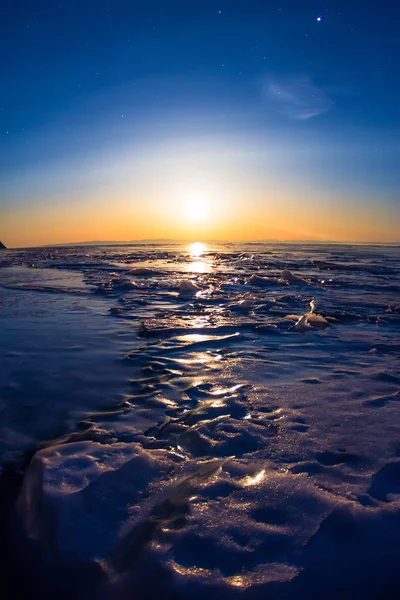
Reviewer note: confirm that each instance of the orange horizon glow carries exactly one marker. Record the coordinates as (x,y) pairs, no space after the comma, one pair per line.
(281,218)
(200,188)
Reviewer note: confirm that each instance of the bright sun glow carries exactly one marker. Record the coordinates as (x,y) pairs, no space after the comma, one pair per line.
(197,208)
(197,249)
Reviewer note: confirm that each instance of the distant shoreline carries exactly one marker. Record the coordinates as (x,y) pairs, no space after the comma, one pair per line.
(221,242)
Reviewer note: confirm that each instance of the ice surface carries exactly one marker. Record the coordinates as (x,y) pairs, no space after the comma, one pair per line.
(263,281)
(289,277)
(191,444)
(76,496)
(187,289)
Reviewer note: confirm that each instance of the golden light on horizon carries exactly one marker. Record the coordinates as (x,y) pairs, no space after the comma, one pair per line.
(197,249)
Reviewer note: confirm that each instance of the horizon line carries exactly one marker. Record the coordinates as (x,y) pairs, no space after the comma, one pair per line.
(205,241)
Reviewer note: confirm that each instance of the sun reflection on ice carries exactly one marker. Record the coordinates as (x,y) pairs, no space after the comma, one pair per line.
(255,480)
(220,391)
(218,404)
(200,262)
(197,266)
(197,249)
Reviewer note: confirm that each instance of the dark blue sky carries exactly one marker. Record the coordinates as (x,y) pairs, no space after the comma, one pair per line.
(79,76)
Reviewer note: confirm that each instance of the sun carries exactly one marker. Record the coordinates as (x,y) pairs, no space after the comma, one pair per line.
(197,208)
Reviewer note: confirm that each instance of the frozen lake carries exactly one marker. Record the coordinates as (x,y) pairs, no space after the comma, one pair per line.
(213,421)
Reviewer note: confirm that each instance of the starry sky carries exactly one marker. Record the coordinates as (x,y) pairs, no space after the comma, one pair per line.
(265,119)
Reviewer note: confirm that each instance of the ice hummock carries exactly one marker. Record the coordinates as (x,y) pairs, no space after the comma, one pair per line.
(188,289)
(309,320)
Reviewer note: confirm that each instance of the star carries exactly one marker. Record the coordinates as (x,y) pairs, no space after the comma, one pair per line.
(319,19)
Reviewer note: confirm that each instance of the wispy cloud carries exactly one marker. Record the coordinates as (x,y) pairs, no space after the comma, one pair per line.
(298,98)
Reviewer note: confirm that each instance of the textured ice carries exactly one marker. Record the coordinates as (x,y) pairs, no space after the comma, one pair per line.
(302,324)
(262,281)
(289,277)
(77,496)
(193,445)
(187,289)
